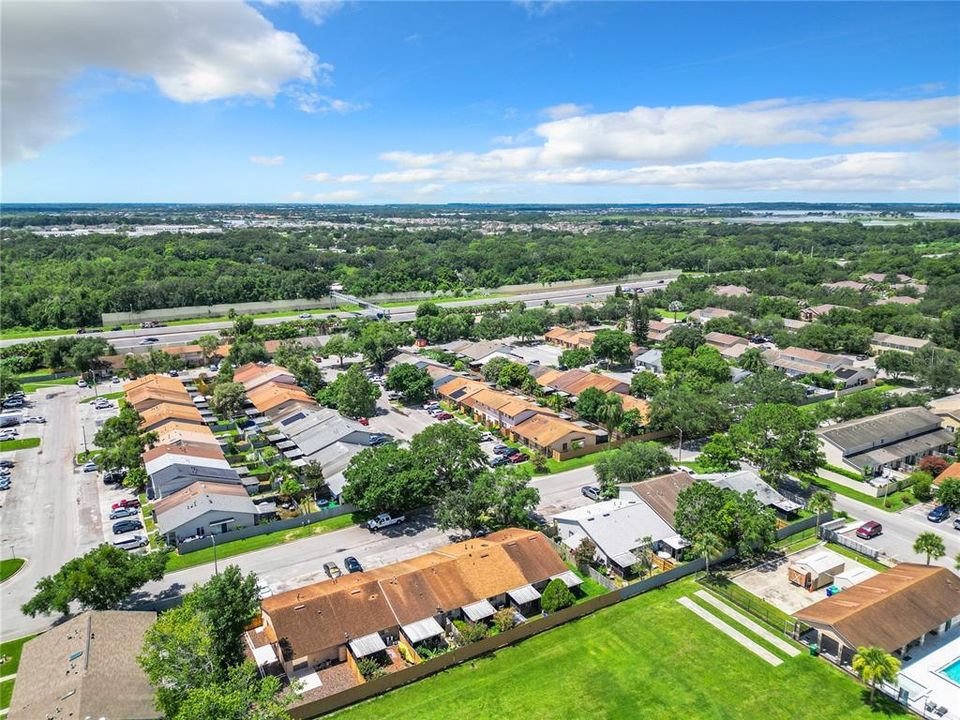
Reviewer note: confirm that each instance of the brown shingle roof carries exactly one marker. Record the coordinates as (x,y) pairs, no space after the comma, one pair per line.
(170,412)
(544,430)
(891,609)
(661,493)
(576,381)
(183,447)
(179,431)
(156,380)
(266,397)
(154,394)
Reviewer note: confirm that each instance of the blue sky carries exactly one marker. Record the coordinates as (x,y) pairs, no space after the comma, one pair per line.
(480,102)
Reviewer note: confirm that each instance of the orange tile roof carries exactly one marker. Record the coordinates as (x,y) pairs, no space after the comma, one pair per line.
(156,380)
(170,411)
(632,403)
(266,397)
(461,383)
(952,471)
(544,430)
(156,394)
(176,431)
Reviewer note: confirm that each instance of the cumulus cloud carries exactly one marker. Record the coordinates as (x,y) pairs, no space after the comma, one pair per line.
(318,177)
(339,196)
(269,160)
(564,110)
(352,178)
(317,11)
(193,52)
(310,101)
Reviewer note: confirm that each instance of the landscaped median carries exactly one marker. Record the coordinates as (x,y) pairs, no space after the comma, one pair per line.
(259,542)
(24,444)
(104,396)
(10,567)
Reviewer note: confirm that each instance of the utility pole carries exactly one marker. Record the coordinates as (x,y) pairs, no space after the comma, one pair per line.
(680,444)
(214,538)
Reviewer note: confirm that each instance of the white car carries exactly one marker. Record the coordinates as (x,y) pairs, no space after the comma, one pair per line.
(36,419)
(305,316)
(89,467)
(115,380)
(263,590)
(81,383)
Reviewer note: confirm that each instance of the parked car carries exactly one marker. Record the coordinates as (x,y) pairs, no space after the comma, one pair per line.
(502,449)
(131,543)
(263,590)
(89,467)
(869,529)
(214,367)
(115,380)
(81,383)
(125,526)
(5,484)
(331,569)
(363,421)
(956,523)
(122,512)
(116,327)
(173,373)
(498,460)
(486,437)
(431,405)
(7,463)
(518,457)
(378,440)
(434,411)
(304,316)
(863,357)
(384,520)
(591,492)
(443,416)
(39,419)
(126,503)
(81,331)
(352,564)
(939,514)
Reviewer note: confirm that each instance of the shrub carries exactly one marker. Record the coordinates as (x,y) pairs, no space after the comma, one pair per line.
(557,596)
(933,464)
(921,484)
(370,668)
(471,633)
(539,461)
(504,619)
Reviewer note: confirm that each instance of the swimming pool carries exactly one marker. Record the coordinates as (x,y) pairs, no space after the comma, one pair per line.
(952,671)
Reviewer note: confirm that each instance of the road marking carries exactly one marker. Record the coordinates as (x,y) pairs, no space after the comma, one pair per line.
(730,631)
(781,645)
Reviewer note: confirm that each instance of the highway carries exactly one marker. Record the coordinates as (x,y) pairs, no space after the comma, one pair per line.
(125,341)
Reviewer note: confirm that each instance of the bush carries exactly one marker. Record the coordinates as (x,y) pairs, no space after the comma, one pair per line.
(556,597)
(471,633)
(921,484)
(370,668)
(933,464)
(505,619)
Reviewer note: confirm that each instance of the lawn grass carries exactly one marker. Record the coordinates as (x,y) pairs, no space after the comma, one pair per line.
(555,466)
(893,502)
(259,542)
(648,658)
(854,555)
(9,566)
(104,396)
(10,652)
(34,386)
(24,444)
(681,315)
(810,407)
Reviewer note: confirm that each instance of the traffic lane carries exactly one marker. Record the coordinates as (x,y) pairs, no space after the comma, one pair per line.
(900,531)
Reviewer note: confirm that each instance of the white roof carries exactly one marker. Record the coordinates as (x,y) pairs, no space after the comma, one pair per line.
(479,610)
(742,481)
(616,527)
(177,458)
(367,645)
(853,576)
(422,629)
(569,578)
(821,562)
(264,655)
(524,594)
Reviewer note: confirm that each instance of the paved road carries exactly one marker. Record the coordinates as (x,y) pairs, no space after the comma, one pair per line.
(40,513)
(129,340)
(901,529)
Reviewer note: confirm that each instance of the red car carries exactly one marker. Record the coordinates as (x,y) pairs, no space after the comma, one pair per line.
(869,529)
(443,416)
(363,421)
(517,457)
(126,504)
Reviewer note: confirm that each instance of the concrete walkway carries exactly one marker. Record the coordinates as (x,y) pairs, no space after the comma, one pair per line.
(756,629)
(730,632)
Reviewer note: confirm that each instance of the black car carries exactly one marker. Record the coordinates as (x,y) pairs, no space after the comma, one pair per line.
(125,526)
(352,564)
(498,460)
(378,440)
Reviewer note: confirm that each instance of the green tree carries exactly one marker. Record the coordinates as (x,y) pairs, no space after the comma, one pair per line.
(696,413)
(451,453)
(590,404)
(778,440)
(230,601)
(245,350)
(699,510)
(949,493)
(355,395)
(379,340)
(584,553)
(228,399)
(639,321)
(611,412)
(752,360)
(242,325)
(921,485)
(820,502)
(208,346)
(493,500)
(937,368)
(719,454)
(894,363)
(512,374)
(576,357)
(388,479)
(242,695)
(414,384)
(556,596)
(929,544)
(102,579)
(312,477)
(688,336)
(706,545)
(875,665)
(338,346)
(645,384)
(706,367)
(630,463)
(612,345)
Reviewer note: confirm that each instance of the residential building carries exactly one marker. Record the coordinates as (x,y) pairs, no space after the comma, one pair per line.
(888,341)
(852,377)
(893,439)
(730,290)
(162,381)
(569,339)
(205,508)
(176,432)
(658,330)
(181,448)
(408,602)
(86,667)
(845,285)
(796,362)
(897,300)
(794,325)
(475,352)
(163,413)
(459,389)
(575,381)
(617,528)
(812,313)
(176,477)
(744,481)
(948,410)
(253,375)
(951,473)
(494,408)
(212,459)
(660,493)
(276,399)
(148,396)
(651,360)
(553,436)
(730,346)
(705,315)
(895,610)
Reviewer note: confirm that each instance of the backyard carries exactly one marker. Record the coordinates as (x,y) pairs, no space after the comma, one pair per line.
(647,657)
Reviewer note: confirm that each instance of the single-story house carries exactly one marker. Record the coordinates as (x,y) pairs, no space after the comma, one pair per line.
(253,375)
(948,410)
(205,508)
(569,339)
(552,435)
(86,667)
(804,361)
(657,330)
(475,352)
(157,464)
(494,408)
(705,315)
(176,477)
(812,313)
(411,601)
(845,285)
(894,610)
(743,481)
(730,346)
(276,399)
(162,381)
(575,381)
(617,527)
(660,493)
(791,324)
(813,572)
(889,341)
(852,377)
(459,389)
(651,360)
(892,439)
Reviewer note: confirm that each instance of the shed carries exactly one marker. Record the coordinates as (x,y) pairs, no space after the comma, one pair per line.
(815,571)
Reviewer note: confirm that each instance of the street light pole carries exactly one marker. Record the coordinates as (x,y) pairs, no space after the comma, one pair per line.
(214,538)
(680,444)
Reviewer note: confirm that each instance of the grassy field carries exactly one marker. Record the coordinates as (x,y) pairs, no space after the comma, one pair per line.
(104,396)
(555,466)
(894,502)
(34,386)
(24,444)
(648,658)
(681,315)
(10,652)
(259,542)
(9,566)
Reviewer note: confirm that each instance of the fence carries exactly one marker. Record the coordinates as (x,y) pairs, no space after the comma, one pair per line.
(849,542)
(276,526)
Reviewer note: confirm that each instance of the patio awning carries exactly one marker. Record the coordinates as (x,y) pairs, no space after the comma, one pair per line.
(291,454)
(264,655)
(675,542)
(422,629)
(299,462)
(276,437)
(569,578)
(479,610)
(286,444)
(625,559)
(367,645)
(524,594)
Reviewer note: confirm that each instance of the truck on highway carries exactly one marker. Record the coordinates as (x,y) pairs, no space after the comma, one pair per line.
(151,324)
(384,520)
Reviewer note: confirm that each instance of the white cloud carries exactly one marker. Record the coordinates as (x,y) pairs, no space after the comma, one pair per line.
(564,110)
(310,101)
(193,52)
(270,161)
(318,177)
(317,11)
(431,189)
(352,178)
(339,196)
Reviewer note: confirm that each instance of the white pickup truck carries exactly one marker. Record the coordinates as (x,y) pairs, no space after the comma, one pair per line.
(384,520)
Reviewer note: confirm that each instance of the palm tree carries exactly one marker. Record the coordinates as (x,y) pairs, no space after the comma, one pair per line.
(208,345)
(931,544)
(611,412)
(873,665)
(752,360)
(706,545)
(820,502)
(675,307)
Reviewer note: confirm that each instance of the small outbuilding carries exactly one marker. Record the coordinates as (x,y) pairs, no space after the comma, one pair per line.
(815,571)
